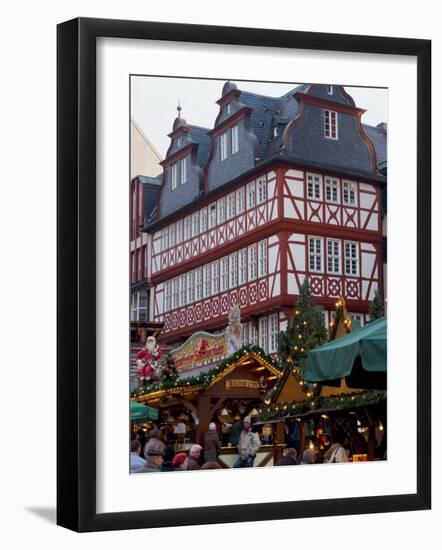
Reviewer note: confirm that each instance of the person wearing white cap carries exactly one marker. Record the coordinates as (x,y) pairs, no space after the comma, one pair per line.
(248,445)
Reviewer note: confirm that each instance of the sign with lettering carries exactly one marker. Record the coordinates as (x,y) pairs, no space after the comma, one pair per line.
(240,383)
(200,349)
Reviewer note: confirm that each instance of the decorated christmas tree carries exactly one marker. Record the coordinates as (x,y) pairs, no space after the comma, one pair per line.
(376,310)
(305,332)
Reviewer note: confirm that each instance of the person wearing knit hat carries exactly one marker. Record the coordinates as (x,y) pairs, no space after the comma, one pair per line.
(248,445)
(179,462)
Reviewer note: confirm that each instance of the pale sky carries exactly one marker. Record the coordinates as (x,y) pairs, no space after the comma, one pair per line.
(154,101)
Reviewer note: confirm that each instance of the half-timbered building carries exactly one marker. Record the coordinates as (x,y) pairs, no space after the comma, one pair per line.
(278,190)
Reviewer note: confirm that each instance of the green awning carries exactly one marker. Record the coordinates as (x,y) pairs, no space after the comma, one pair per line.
(364,349)
(142,412)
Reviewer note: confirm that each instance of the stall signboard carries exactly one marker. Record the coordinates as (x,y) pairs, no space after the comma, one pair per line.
(239,383)
(199,350)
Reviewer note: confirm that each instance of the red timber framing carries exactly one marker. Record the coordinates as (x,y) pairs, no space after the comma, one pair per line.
(288,218)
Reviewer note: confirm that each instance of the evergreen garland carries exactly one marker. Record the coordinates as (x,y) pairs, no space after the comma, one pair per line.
(332,402)
(205,378)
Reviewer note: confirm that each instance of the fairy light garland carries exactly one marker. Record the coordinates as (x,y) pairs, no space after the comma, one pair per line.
(332,402)
(170,386)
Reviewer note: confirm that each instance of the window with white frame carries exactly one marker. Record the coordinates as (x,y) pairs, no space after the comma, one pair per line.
(261,190)
(263,333)
(206,281)
(139,306)
(229,108)
(230,206)
(251,195)
(333,256)
(221,208)
(172,234)
(215,277)
(179,232)
(273,332)
(330,90)
(235,139)
(223,146)
(224,279)
(358,318)
(331,189)
(314,186)
(175,293)
(183,166)
(165,238)
(349,192)
(167,296)
(198,284)
(316,254)
(240,200)
(173,176)
(233,270)
(195,224)
(330,124)
(243,266)
(262,258)
(253,334)
(252,262)
(203,220)
(187,228)
(190,287)
(351,258)
(244,334)
(183,290)
(212,215)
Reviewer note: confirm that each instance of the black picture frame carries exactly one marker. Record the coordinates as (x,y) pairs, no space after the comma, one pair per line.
(76,273)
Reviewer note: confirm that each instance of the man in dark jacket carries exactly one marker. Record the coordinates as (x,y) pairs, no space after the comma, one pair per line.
(154,456)
(211,444)
(194,456)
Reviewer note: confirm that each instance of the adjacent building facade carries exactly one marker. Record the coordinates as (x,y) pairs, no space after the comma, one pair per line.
(144,187)
(278,190)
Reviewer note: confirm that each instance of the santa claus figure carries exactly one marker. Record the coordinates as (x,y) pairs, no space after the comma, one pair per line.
(148,361)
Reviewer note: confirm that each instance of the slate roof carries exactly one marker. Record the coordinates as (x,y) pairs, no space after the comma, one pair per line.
(268,113)
(151,190)
(199,135)
(269,118)
(378,136)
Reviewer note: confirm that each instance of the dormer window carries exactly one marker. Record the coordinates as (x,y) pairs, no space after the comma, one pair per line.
(173,175)
(178,142)
(235,139)
(330,124)
(223,146)
(330,90)
(229,109)
(183,166)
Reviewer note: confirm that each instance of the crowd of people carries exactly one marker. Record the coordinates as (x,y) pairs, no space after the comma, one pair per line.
(159,451)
